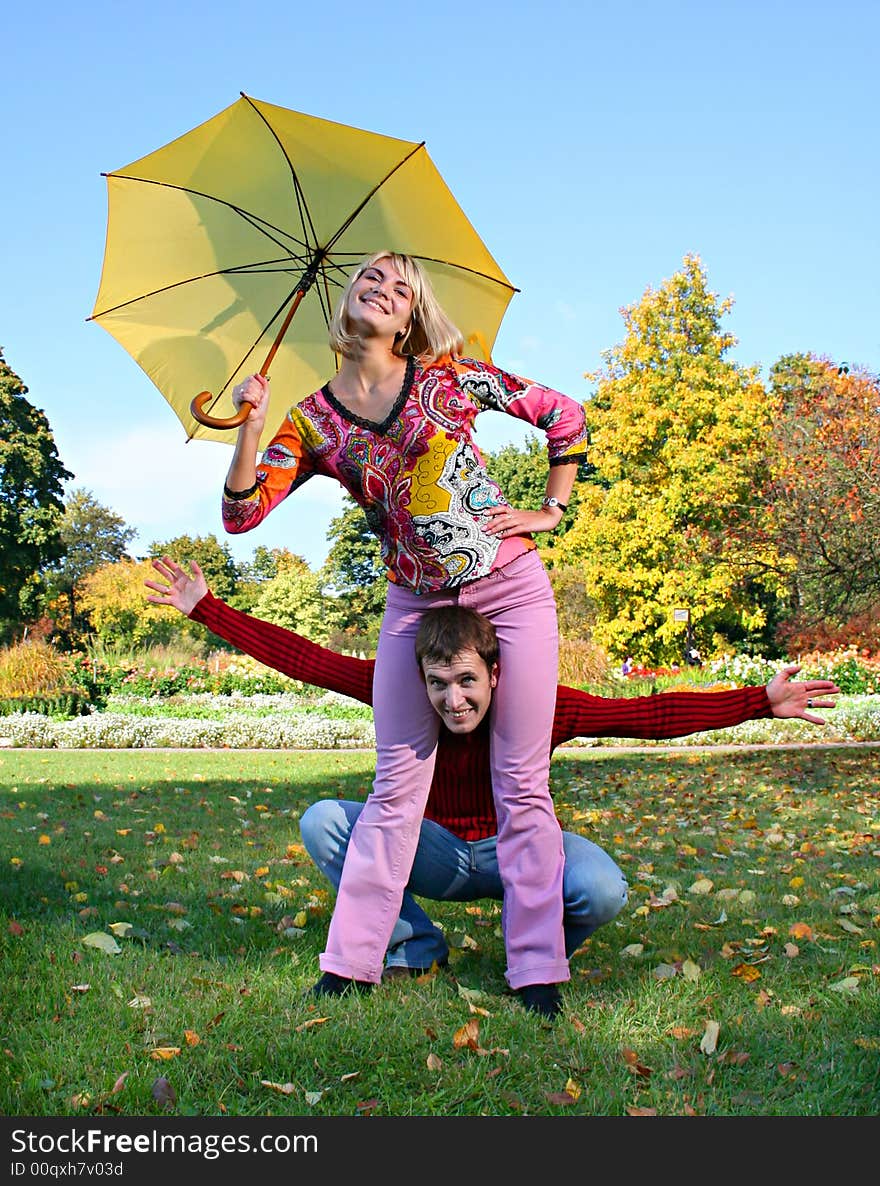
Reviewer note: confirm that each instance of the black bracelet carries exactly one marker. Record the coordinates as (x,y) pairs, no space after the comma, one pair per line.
(554,502)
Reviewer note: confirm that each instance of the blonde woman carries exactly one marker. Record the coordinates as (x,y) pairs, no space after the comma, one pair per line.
(395,427)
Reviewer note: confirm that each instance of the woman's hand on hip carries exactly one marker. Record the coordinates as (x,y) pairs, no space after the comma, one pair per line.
(506,521)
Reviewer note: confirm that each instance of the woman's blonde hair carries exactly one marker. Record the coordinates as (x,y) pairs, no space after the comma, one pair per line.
(430,333)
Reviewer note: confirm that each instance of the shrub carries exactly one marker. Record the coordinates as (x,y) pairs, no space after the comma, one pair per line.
(64,703)
(581,662)
(30,668)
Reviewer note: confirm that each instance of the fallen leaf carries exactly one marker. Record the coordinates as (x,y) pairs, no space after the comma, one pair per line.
(681,1031)
(471,994)
(665,971)
(80,987)
(709,1040)
(366,1107)
(15,928)
(433,1062)
(120,1083)
(305,1025)
(560,1098)
(121,928)
(467,1035)
(850,926)
(690,970)
(632,1110)
(191,1037)
(633,949)
(800,930)
(163,1093)
(103,942)
(284,1088)
(139,1001)
(849,984)
(791,950)
(632,1061)
(164,1053)
(701,886)
(746,972)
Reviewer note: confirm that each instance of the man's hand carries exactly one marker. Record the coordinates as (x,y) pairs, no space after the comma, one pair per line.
(789,699)
(185,591)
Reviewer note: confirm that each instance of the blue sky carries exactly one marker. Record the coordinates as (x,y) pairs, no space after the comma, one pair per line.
(592,145)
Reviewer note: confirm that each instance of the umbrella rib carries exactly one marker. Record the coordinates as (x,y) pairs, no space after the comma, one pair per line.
(473,271)
(241,270)
(259,224)
(305,215)
(348,221)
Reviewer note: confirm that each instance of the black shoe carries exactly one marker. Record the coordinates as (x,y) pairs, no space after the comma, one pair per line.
(544,999)
(402,972)
(331,985)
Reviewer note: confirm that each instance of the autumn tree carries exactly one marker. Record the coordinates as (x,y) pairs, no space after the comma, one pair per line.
(522,475)
(825,496)
(93,536)
(674,506)
(113,598)
(31,500)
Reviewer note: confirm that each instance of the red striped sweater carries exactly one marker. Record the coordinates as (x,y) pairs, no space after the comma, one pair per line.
(461,793)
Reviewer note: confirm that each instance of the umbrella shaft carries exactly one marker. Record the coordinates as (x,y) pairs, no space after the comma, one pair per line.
(301,292)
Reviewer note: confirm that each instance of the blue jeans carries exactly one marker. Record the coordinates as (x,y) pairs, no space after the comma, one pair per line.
(448,869)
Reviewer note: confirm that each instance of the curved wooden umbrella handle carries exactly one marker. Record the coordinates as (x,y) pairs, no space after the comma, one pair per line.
(203,417)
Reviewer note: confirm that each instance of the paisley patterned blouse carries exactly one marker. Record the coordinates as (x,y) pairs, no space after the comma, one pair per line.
(418,475)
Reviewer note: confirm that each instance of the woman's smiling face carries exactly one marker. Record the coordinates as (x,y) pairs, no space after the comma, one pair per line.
(380,301)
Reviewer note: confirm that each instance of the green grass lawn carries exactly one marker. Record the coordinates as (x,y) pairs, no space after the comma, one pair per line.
(742,979)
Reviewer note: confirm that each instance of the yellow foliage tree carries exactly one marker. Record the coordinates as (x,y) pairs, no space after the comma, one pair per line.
(114,600)
(671,517)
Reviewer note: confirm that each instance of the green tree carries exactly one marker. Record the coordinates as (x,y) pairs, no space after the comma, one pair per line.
(215,560)
(293,599)
(93,536)
(31,500)
(676,505)
(355,575)
(522,475)
(825,495)
(253,576)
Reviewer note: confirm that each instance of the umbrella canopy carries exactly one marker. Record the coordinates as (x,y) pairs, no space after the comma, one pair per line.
(227,249)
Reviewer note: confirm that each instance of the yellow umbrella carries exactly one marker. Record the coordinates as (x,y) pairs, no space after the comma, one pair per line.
(227,248)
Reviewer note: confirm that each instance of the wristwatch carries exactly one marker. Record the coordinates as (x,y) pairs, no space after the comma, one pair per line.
(554,502)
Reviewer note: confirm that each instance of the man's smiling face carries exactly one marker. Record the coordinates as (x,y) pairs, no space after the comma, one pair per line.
(460,691)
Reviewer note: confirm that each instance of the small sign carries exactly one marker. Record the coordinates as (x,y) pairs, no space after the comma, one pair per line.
(681,615)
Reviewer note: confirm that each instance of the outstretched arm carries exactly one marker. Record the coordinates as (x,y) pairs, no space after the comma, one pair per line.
(675,714)
(281,649)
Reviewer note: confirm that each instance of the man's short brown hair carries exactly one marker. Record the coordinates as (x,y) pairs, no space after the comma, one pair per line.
(448,630)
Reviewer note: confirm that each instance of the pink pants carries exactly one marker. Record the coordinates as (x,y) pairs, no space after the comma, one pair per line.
(518,599)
